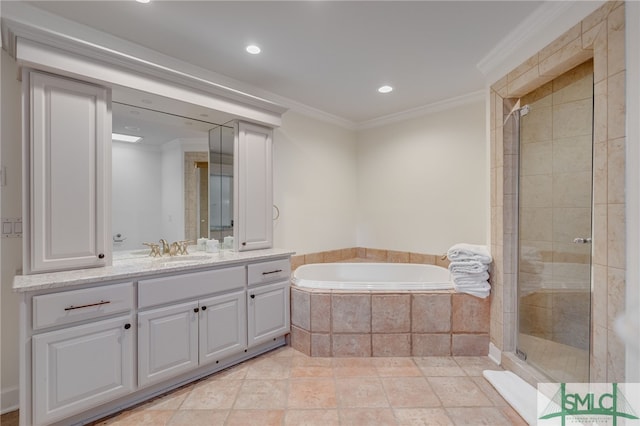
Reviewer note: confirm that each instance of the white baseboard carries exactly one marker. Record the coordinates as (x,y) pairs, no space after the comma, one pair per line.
(9,400)
(495,354)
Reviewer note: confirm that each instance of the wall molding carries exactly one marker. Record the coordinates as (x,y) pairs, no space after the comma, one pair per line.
(542,27)
(10,399)
(478,96)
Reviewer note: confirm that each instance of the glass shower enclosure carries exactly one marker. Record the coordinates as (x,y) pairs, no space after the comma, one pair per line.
(554,225)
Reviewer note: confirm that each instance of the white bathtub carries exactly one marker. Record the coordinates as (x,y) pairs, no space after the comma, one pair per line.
(372,276)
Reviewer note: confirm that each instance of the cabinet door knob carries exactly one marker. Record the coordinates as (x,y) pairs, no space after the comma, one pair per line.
(101,256)
(253,296)
(195,309)
(244,244)
(204,308)
(127,326)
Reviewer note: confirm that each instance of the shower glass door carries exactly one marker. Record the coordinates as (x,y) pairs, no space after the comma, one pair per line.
(554,226)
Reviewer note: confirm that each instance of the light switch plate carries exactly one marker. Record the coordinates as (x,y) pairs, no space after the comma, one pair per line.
(11,227)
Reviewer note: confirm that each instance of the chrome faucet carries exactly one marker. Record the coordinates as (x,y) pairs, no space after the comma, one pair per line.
(165,246)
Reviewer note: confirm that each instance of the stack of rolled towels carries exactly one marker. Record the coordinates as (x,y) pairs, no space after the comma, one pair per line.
(469,269)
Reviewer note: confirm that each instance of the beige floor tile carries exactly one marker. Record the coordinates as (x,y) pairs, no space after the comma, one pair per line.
(489,391)
(298,372)
(354,367)
(237,372)
(170,401)
(513,417)
(477,416)
(143,418)
(311,418)
(458,392)
(409,392)
(439,366)
(262,394)
(309,361)
(212,395)
(312,393)
(475,365)
(397,367)
(422,417)
(367,417)
(270,368)
(360,392)
(198,417)
(255,418)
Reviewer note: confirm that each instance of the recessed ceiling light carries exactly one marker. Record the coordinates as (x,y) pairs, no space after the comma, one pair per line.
(125,138)
(143,1)
(385,89)
(253,49)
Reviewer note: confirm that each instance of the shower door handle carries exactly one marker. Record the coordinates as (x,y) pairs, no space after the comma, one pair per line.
(582,240)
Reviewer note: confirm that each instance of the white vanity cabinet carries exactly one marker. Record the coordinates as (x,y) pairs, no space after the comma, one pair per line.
(177,338)
(91,360)
(253,191)
(67,142)
(110,341)
(223,326)
(268,300)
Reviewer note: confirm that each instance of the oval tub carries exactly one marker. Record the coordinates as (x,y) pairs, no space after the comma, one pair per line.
(372,276)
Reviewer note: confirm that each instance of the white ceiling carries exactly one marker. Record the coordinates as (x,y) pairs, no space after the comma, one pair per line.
(328,55)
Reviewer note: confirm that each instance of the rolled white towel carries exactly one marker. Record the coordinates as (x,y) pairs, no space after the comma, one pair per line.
(472,286)
(471,267)
(470,278)
(483,294)
(465,251)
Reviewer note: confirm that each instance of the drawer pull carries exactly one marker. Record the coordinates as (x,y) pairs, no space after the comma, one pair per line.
(253,296)
(127,326)
(272,272)
(102,302)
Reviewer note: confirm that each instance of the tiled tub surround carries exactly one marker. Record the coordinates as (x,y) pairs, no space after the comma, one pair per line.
(381,324)
(599,36)
(343,323)
(362,254)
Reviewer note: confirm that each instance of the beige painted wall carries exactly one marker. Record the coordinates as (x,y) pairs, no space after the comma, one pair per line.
(422,183)
(10,248)
(314,183)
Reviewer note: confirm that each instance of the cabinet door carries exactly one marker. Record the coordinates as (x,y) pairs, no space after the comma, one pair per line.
(268,314)
(223,326)
(167,342)
(77,368)
(254,199)
(68,140)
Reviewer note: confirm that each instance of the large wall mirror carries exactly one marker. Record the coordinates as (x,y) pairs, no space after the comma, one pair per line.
(176,181)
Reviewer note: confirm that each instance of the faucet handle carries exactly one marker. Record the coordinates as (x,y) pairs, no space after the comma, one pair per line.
(155,249)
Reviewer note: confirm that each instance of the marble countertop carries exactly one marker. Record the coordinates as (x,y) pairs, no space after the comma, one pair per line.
(137,264)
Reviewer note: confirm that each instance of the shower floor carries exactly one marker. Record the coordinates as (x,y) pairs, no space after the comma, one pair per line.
(560,362)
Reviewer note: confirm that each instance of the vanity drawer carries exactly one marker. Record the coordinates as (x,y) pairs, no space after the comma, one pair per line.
(158,291)
(81,305)
(266,272)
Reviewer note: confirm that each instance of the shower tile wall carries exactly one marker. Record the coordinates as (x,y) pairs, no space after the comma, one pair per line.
(555,207)
(599,36)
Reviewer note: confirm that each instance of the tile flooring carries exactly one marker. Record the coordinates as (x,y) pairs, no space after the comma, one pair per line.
(286,387)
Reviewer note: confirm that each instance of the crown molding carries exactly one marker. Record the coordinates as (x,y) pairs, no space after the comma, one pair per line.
(544,25)
(20,20)
(423,110)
